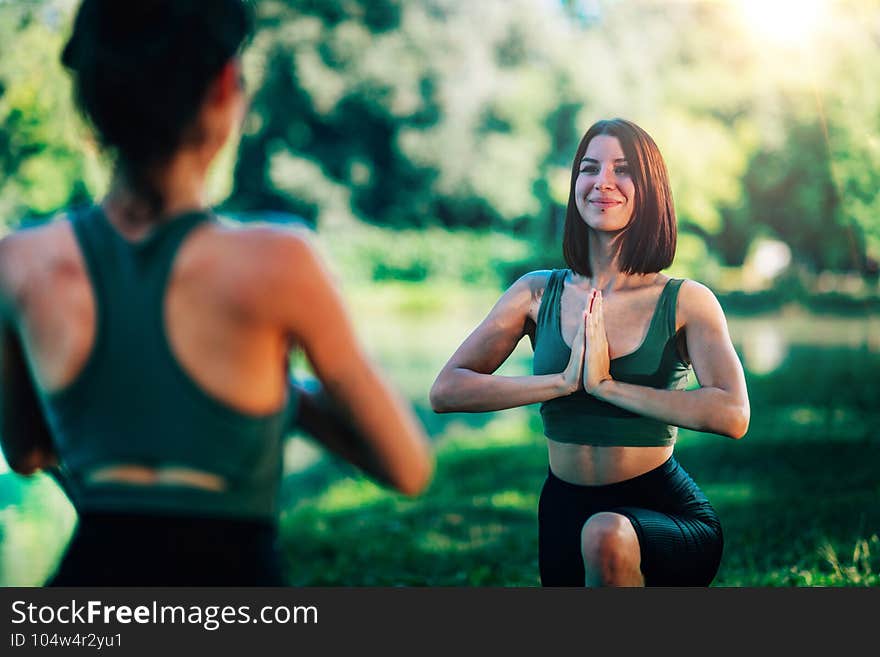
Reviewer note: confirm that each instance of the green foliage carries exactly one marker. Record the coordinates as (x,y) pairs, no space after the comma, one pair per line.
(36,520)
(808,215)
(787,292)
(465,115)
(465,257)
(45,162)
(693,259)
(821,380)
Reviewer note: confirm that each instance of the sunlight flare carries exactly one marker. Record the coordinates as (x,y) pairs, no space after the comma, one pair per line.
(787,22)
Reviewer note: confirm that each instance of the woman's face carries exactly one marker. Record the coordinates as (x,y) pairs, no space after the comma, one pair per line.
(604,190)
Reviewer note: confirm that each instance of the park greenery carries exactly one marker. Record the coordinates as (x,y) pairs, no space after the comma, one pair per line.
(797,496)
(428,143)
(449,122)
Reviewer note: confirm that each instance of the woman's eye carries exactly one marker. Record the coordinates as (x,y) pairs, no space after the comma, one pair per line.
(594,170)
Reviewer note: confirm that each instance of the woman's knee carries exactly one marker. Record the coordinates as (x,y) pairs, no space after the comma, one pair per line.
(610,549)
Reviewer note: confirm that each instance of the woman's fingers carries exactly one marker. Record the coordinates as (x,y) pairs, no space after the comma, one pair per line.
(583,331)
(597,315)
(573,372)
(582,326)
(596,359)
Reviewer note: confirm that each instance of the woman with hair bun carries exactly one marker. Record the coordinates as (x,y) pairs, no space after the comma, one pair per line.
(614,340)
(145,343)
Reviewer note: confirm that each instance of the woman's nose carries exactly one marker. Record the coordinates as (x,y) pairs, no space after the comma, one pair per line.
(604,180)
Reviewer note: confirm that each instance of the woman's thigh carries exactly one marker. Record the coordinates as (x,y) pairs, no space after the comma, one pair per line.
(676,549)
(679,533)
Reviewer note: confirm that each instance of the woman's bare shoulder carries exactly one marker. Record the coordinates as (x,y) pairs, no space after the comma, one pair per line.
(537,279)
(264,247)
(33,249)
(28,238)
(698,303)
(528,290)
(259,267)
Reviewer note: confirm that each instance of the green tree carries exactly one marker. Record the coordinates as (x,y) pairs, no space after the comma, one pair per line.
(45,163)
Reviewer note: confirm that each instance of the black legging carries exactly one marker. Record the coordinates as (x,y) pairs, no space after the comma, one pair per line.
(679,532)
(126,549)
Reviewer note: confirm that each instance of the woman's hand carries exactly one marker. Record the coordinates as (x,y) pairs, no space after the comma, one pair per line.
(25,437)
(721,403)
(468,383)
(572,376)
(597,361)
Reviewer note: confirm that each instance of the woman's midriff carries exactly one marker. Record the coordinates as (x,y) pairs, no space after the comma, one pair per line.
(590,465)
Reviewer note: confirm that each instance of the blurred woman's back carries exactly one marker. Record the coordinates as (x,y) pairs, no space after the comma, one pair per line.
(157,336)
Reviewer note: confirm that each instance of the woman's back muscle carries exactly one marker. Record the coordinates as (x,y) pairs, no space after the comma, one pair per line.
(217,314)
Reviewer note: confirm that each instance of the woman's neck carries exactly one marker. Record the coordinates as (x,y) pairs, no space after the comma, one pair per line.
(604,253)
(180,184)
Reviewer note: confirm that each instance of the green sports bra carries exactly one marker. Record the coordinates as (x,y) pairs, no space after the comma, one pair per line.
(132,403)
(582,419)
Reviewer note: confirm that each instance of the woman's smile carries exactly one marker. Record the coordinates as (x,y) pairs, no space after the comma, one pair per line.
(605,203)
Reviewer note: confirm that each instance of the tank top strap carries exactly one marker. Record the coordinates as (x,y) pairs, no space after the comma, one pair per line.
(668,304)
(92,243)
(123,270)
(549,310)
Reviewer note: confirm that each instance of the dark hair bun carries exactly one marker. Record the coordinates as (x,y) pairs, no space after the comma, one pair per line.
(141,69)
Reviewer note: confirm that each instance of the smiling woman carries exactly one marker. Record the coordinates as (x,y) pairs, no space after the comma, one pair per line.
(614,340)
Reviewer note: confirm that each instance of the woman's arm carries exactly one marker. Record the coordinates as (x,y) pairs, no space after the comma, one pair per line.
(375,428)
(467,383)
(24,435)
(720,405)
(328,424)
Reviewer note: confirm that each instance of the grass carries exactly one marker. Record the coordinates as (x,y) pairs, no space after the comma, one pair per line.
(794,513)
(798,497)
(475,526)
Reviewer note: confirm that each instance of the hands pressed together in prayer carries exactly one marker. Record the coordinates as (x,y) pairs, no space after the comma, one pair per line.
(590,363)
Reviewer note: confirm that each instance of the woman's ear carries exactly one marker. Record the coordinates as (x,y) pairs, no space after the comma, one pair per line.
(224,105)
(227,84)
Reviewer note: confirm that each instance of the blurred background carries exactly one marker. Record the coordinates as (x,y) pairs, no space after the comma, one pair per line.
(428,143)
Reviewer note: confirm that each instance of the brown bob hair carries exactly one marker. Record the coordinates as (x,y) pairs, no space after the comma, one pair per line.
(647,244)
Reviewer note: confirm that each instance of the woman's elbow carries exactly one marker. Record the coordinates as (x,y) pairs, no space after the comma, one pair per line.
(30,462)
(439,396)
(416,480)
(736,423)
(22,468)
